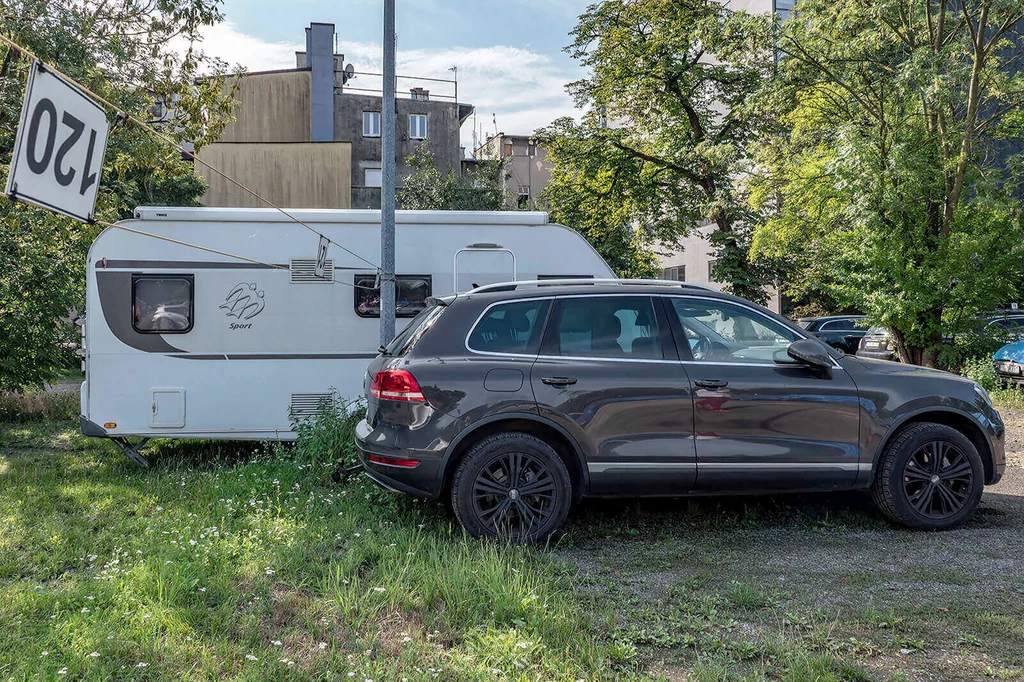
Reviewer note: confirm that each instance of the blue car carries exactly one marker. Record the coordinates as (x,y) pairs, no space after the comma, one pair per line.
(1009,363)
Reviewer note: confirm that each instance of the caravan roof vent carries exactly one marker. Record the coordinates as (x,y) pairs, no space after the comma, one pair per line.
(306,405)
(304,270)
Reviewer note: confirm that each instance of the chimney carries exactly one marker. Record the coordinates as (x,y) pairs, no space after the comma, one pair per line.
(320,60)
(421,94)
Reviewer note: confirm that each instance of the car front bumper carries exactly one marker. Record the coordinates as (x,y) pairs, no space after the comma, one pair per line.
(882,354)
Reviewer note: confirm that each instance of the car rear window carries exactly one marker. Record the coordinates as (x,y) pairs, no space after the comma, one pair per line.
(510,328)
(419,326)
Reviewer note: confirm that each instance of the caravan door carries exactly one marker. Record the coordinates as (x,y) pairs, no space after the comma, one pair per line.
(475,267)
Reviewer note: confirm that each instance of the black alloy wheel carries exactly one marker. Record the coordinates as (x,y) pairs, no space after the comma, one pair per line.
(512,486)
(514,493)
(938,479)
(929,477)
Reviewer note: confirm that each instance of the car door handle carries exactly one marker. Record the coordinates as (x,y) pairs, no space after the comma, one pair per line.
(559,381)
(711,383)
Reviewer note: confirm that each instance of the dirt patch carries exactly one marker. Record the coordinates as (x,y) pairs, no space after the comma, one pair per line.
(690,579)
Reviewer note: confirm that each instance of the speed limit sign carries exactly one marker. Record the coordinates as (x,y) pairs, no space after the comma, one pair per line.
(58,153)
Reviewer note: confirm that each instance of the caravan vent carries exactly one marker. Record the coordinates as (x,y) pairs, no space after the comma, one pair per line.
(306,405)
(304,270)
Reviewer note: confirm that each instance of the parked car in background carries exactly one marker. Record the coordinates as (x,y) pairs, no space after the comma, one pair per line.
(1009,363)
(990,329)
(843,332)
(516,400)
(877,344)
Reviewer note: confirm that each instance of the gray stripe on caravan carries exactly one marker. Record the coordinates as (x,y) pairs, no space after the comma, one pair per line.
(202,265)
(276,356)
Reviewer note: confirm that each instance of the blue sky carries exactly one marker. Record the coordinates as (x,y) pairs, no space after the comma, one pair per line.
(509,53)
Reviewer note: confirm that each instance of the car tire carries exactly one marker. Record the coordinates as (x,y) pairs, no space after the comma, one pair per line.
(485,490)
(930,477)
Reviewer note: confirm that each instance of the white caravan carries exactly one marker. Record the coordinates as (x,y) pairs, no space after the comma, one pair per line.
(185,343)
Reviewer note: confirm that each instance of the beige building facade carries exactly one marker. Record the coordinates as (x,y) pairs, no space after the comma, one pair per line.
(527,171)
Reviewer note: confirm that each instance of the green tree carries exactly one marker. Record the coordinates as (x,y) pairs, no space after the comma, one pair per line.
(480,188)
(670,118)
(896,191)
(135,55)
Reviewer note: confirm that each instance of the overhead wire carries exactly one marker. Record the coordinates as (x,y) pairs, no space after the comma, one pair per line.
(192,155)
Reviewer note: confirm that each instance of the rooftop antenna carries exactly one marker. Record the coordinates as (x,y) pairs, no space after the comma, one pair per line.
(494,120)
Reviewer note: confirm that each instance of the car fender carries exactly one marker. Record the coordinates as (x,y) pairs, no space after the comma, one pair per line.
(520,416)
(910,416)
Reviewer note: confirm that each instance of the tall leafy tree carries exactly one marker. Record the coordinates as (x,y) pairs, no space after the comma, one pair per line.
(899,189)
(134,54)
(480,188)
(663,145)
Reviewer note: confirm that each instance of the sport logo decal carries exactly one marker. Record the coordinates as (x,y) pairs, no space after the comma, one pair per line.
(243,302)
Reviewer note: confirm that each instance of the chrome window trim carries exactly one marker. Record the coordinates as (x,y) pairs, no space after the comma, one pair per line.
(835,364)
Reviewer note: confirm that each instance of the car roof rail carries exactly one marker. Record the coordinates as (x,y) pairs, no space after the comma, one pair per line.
(580,281)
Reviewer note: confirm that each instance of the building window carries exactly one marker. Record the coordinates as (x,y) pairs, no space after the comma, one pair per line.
(418,126)
(411,294)
(711,269)
(372,177)
(162,304)
(371,124)
(523,200)
(675,274)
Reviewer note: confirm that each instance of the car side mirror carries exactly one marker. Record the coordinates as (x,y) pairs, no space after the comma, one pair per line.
(813,354)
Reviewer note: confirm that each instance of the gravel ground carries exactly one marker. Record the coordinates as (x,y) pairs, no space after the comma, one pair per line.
(957,596)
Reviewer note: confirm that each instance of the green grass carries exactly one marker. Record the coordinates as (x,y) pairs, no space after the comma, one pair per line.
(230,563)
(246,562)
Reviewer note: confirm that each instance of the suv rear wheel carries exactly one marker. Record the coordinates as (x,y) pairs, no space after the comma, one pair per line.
(512,486)
(931,477)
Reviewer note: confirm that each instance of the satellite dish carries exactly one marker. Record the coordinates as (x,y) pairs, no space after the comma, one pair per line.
(348,74)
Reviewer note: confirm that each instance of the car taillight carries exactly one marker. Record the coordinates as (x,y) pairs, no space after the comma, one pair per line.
(394,461)
(396,384)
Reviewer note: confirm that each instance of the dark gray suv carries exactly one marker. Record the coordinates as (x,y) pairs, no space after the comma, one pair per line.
(516,400)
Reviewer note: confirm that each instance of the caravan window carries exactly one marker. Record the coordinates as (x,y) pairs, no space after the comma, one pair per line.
(411,293)
(162,304)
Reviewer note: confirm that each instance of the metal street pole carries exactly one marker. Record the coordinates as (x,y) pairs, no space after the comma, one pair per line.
(387,192)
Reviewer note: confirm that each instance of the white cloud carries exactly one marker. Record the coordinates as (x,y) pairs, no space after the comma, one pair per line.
(523,89)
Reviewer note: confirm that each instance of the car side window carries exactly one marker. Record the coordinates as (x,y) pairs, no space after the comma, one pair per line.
(718,331)
(162,304)
(608,327)
(836,325)
(513,327)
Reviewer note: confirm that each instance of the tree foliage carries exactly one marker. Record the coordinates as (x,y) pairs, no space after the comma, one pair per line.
(133,54)
(898,188)
(480,188)
(669,120)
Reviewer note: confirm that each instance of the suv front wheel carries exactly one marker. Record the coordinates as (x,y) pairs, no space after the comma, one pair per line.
(512,486)
(930,477)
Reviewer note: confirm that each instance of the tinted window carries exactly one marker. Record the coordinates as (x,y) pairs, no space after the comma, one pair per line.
(510,328)
(411,293)
(717,331)
(608,326)
(836,325)
(163,304)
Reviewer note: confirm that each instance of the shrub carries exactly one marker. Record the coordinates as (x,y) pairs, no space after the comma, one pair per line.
(329,435)
(981,370)
(43,406)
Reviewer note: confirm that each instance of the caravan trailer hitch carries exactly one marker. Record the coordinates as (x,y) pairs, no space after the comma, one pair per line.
(342,473)
(132,451)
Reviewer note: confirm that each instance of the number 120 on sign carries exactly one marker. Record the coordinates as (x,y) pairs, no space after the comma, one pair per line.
(58,154)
